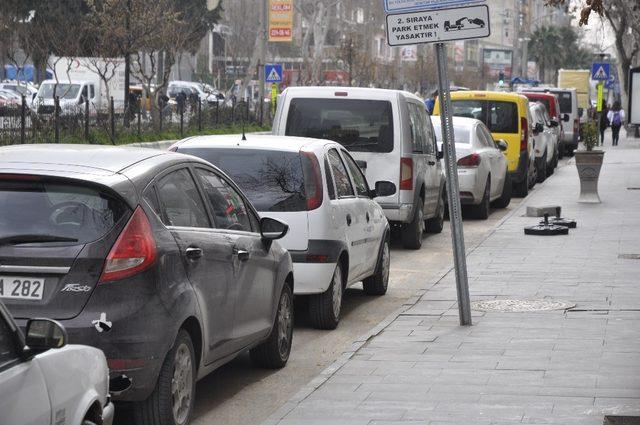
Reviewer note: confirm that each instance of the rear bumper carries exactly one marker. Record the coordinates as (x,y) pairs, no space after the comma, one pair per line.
(313,268)
(470,190)
(520,173)
(402,213)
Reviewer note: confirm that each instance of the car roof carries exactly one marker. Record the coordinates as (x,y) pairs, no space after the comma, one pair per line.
(305,91)
(490,95)
(111,159)
(255,141)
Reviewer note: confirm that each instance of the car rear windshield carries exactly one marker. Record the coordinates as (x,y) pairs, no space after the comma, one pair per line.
(33,210)
(498,116)
(359,125)
(461,134)
(273,181)
(564,97)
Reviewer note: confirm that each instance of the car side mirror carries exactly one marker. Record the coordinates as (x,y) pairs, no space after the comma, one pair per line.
(538,128)
(272,229)
(45,334)
(502,144)
(553,122)
(565,117)
(439,154)
(580,111)
(384,188)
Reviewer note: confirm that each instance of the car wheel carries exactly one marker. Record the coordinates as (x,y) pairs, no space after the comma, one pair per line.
(87,422)
(482,210)
(551,167)
(378,283)
(171,402)
(561,151)
(521,189)
(274,352)
(436,224)
(413,232)
(505,198)
(542,169)
(325,308)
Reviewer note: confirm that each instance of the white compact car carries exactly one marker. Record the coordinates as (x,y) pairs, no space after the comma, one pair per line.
(482,167)
(389,134)
(338,235)
(44,381)
(545,142)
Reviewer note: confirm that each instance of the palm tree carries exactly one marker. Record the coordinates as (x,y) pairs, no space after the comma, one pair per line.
(544,49)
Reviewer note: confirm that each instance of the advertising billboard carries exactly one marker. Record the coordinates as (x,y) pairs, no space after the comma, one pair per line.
(280,20)
(495,61)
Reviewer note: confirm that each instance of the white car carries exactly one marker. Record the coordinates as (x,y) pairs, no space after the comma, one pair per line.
(205,96)
(545,142)
(20,88)
(389,133)
(338,235)
(482,167)
(43,381)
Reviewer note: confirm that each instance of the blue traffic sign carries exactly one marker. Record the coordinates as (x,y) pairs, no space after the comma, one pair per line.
(600,71)
(394,6)
(273,73)
(611,82)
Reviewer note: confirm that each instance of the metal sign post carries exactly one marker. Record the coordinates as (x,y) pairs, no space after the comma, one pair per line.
(453,188)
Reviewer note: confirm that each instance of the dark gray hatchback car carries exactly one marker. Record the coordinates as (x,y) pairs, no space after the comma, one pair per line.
(157,258)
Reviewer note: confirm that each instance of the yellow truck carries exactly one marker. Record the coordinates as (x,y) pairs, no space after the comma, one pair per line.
(580,79)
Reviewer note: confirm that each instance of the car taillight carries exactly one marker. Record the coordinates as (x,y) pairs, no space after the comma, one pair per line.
(576,125)
(312,180)
(472,160)
(524,134)
(406,174)
(133,252)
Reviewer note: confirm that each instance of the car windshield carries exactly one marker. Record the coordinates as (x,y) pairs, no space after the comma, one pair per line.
(31,209)
(498,116)
(565,101)
(63,91)
(359,125)
(461,134)
(273,181)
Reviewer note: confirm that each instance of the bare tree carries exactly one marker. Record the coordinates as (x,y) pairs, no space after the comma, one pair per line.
(317,16)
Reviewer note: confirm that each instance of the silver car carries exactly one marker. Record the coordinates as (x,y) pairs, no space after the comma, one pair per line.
(482,166)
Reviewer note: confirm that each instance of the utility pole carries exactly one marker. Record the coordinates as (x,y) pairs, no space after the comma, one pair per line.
(263,52)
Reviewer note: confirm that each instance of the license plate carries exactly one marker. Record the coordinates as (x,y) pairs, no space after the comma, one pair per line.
(21,288)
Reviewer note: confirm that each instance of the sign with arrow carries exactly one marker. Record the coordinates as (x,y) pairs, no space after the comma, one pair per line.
(273,73)
(600,71)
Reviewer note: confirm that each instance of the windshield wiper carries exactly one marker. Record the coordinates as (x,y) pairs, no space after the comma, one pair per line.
(20,239)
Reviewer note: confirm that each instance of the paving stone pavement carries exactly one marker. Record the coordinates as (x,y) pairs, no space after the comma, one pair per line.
(420,367)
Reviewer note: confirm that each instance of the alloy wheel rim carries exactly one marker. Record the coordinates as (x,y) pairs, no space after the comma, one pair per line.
(421,220)
(285,325)
(182,384)
(337,293)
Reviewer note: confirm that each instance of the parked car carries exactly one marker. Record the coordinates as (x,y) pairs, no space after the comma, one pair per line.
(339,236)
(552,106)
(546,144)
(506,115)
(195,88)
(21,88)
(389,134)
(568,99)
(45,381)
(483,174)
(156,258)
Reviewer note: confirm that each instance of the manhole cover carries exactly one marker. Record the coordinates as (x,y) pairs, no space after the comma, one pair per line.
(516,306)
(629,256)
(633,188)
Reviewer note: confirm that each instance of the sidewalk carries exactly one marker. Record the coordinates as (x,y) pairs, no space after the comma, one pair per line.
(540,367)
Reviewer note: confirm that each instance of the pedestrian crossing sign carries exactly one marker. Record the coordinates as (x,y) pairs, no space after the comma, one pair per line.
(600,71)
(273,73)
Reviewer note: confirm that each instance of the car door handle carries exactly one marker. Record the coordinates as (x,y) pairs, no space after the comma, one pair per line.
(367,216)
(348,219)
(193,253)
(242,254)
(432,163)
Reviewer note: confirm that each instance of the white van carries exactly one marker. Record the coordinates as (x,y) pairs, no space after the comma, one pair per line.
(568,99)
(71,94)
(389,134)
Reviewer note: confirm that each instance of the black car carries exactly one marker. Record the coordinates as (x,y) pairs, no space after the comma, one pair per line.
(154,257)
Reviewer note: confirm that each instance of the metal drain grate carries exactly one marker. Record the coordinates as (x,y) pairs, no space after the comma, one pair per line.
(517,306)
(629,256)
(633,188)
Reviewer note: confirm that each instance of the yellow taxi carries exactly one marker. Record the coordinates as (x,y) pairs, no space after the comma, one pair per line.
(507,117)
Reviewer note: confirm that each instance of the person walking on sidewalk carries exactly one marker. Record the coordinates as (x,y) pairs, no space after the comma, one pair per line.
(604,121)
(616,119)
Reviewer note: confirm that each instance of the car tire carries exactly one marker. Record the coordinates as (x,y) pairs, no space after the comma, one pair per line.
(324,308)
(412,233)
(561,151)
(542,169)
(274,352)
(436,224)
(379,282)
(482,210)
(177,374)
(505,198)
(521,189)
(88,422)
